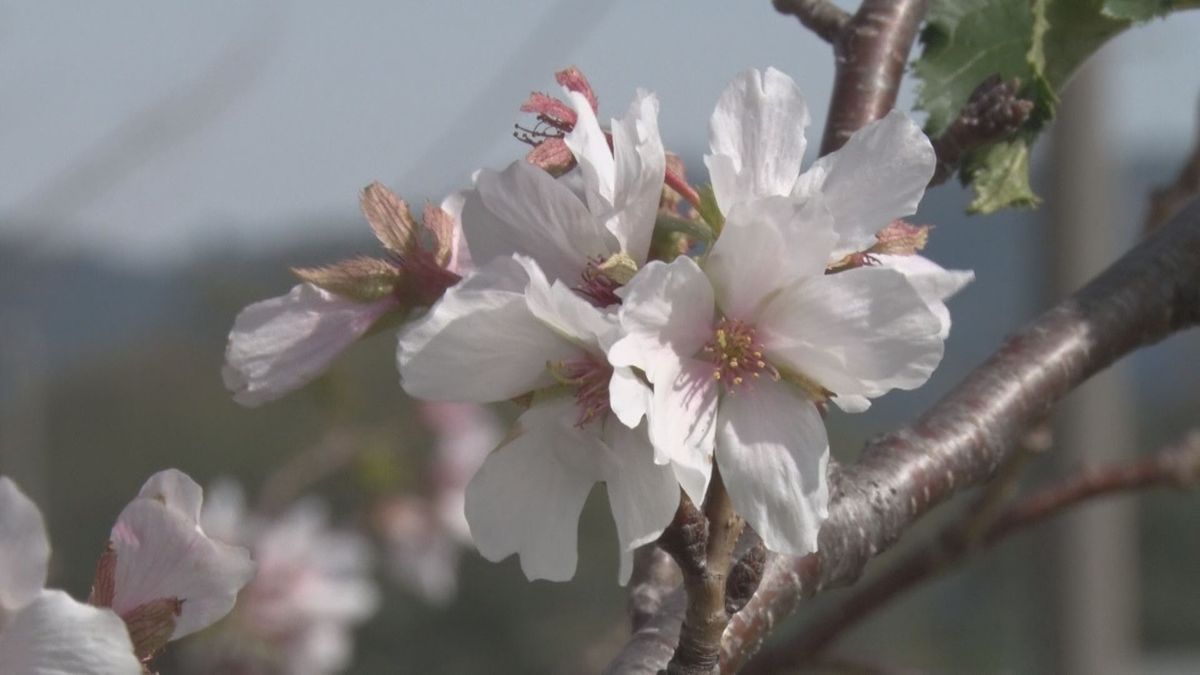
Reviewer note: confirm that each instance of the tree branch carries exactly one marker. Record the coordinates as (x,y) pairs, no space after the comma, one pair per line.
(822,17)
(1168,199)
(1151,292)
(654,576)
(1176,466)
(870,52)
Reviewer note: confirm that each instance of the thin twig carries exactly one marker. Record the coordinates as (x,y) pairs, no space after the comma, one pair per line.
(822,17)
(705,618)
(870,55)
(1168,199)
(1153,291)
(1176,466)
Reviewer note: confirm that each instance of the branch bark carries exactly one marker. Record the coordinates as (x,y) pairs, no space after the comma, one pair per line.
(822,17)
(1151,292)
(1168,199)
(1176,466)
(870,52)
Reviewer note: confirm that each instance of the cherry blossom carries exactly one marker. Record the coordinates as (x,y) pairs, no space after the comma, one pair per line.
(46,632)
(312,588)
(162,573)
(506,332)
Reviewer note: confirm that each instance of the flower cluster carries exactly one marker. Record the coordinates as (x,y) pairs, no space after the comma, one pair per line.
(655,345)
(312,588)
(162,578)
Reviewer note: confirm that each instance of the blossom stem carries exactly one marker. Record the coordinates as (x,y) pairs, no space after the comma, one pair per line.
(706,617)
(1176,466)
(677,183)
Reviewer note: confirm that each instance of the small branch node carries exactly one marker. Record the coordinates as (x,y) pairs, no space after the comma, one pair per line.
(992,112)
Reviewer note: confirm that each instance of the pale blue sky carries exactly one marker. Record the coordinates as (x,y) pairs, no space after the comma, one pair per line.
(316,99)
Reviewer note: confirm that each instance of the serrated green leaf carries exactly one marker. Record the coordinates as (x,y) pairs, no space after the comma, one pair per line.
(1040,42)
(1000,176)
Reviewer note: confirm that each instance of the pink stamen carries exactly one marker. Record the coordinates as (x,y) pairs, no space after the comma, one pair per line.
(599,288)
(590,376)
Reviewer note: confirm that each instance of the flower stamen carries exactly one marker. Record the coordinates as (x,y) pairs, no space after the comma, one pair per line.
(590,378)
(737,355)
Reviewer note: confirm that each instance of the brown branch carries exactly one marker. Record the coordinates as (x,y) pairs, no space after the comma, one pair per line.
(1168,199)
(654,576)
(870,54)
(992,113)
(822,17)
(1177,466)
(705,617)
(1150,293)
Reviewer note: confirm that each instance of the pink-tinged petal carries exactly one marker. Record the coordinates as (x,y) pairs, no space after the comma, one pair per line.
(162,553)
(643,495)
(859,332)
(460,256)
(628,396)
(935,283)
(527,496)
(682,420)
(667,312)
(772,452)
(480,342)
(465,434)
(756,135)
(765,245)
(55,635)
(223,516)
(177,491)
(421,555)
(641,164)
(24,549)
(530,213)
(878,176)
(564,310)
(590,147)
(279,345)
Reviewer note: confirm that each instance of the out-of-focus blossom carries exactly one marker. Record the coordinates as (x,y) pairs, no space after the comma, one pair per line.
(278,345)
(46,632)
(312,588)
(162,573)
(424,535)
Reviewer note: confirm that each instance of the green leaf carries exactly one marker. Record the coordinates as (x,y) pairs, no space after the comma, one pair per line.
(1040,42)
(1001,178)
(709,211)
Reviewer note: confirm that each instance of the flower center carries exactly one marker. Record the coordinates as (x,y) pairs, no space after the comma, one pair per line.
(597,286)
(589,377)
(737,355)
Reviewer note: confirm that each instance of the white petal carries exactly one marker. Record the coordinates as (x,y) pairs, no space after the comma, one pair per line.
(628,396)
(564,310)
(879,175)
(162,553)
(851,403)
(682,418)
(24,549)
(590,147)
(460,256)
(935,283)
(480,342)
(667,310)
(859,332)
(223,516)
(772,452)
(55,635)
(757,137)
(533,214)
(527,496)
(279,345)
(177,491)
(643,495)
(641,164)
(766,244)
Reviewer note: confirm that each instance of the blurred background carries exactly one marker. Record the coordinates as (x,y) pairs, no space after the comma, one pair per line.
(166,163)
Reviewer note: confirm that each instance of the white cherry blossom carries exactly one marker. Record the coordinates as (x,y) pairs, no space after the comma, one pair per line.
(508,331)
(160,553)
(524,210)
(46,632)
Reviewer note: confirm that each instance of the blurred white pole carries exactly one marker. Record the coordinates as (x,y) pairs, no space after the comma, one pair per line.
(1096,582)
